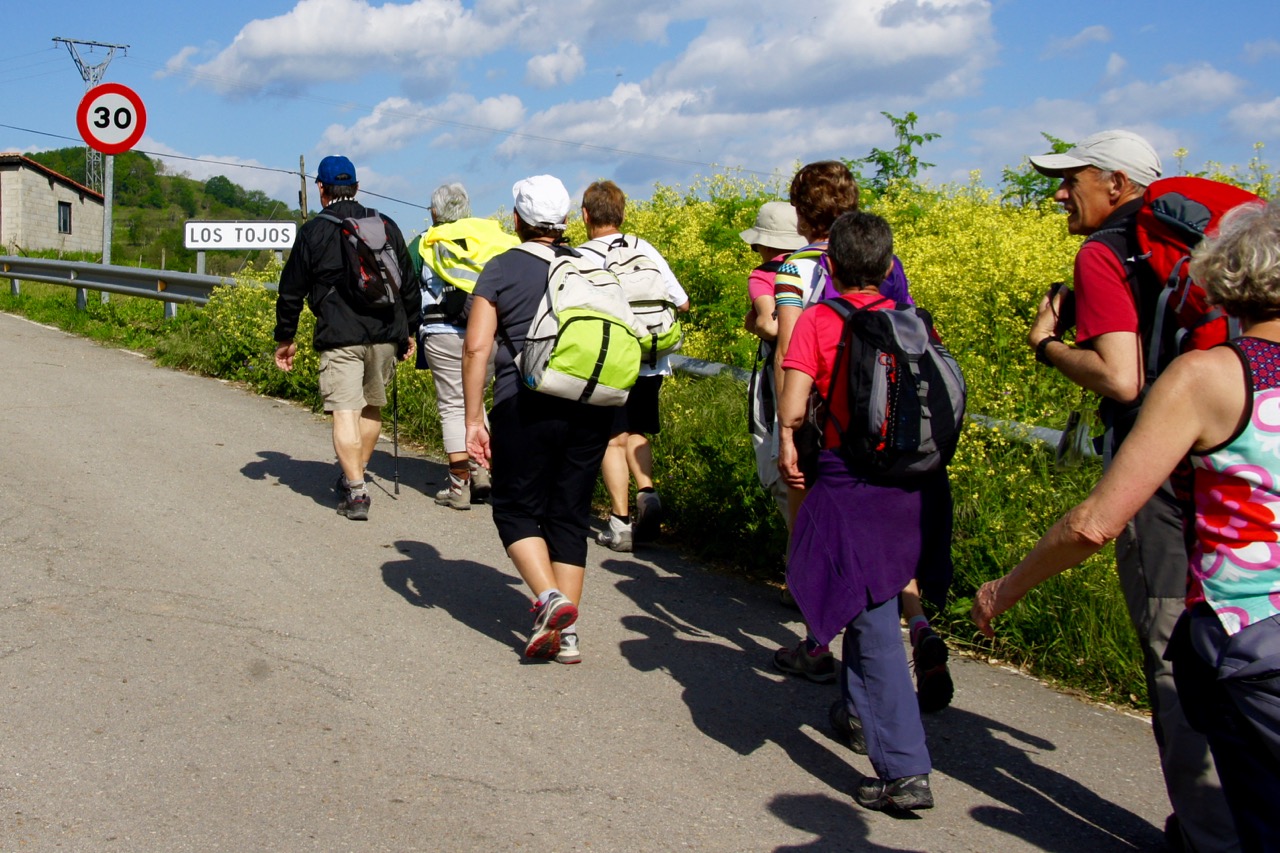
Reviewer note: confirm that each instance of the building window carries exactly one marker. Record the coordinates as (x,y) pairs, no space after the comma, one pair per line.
(64,217)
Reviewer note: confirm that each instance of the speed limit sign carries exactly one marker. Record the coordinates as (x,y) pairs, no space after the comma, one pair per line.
(111,118)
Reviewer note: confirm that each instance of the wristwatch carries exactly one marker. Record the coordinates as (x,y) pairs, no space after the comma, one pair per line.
(1042,354)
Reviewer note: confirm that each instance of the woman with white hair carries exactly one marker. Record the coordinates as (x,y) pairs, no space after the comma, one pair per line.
(448,260)
(1220,407)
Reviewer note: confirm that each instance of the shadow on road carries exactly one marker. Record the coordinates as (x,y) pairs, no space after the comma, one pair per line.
(481,597)
(838,824)
(315,479)
(1039,805)
(735,698)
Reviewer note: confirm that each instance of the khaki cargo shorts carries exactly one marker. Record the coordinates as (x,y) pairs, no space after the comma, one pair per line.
(354,377)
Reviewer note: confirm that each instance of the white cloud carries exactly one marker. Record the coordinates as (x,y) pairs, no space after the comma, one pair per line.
(320,40)
(398,122)
(1200,88)
(1096,34)
(177,63)
(1116,65)
(879,48)
(552,69)
(1259,121)
(1260,51)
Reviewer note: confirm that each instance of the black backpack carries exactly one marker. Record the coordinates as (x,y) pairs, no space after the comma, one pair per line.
(905,392)
(373,270)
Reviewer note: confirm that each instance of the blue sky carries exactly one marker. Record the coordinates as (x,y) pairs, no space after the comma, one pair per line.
(422,92)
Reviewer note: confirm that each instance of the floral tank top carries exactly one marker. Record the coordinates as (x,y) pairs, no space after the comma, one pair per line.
(1236,553)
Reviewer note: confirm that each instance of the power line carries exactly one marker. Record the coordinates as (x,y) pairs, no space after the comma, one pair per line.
(166,156)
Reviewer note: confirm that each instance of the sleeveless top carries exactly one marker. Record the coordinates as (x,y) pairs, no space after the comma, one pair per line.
(1236,552)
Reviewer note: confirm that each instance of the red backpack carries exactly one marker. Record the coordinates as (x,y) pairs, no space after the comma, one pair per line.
(1176,214)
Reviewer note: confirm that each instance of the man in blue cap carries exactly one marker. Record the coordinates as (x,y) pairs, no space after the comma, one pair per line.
(358,343)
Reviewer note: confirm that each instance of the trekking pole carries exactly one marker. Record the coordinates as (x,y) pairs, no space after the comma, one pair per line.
(395,428)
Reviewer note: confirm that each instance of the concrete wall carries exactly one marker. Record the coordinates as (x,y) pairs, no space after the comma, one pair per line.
(29,212)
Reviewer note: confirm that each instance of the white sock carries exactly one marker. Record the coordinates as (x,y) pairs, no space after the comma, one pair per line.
(542,599)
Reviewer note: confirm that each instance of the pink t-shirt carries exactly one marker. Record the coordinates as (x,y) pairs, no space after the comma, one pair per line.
(760,282)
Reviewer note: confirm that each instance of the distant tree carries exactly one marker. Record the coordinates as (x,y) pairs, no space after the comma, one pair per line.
(182,193)
(900,163)
(1024,186)
(219,188)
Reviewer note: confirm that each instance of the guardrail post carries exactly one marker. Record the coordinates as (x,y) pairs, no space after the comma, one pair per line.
(14,289)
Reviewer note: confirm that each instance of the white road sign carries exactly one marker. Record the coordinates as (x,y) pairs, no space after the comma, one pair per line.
(207,235)
(111,118)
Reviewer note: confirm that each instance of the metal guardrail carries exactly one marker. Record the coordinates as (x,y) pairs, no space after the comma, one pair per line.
(1013,429)
(176,287)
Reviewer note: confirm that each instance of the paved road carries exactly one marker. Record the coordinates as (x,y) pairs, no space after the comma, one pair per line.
(197,653)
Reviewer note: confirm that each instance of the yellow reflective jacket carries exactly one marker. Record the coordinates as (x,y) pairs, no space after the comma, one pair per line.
(457,251)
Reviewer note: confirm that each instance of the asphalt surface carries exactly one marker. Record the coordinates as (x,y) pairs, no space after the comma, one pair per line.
(198,654)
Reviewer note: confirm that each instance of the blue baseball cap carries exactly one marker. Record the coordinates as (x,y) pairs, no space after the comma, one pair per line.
(336,171)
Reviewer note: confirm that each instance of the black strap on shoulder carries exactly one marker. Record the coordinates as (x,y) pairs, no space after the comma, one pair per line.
(769,266)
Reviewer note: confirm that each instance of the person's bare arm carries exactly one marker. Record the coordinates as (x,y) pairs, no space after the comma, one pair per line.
(1196,403)
(482,325)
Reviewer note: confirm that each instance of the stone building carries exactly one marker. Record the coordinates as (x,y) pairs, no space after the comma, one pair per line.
(41,209)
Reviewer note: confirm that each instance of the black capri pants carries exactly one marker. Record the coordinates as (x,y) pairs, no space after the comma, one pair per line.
(546,456)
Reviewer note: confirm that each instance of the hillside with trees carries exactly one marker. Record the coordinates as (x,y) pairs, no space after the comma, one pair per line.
(150,207)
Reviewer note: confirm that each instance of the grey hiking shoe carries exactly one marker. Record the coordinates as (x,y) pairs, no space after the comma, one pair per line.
(819,668)
(481,483)
(906,794)
(455,494)
(648,516)
(549,619)
(354,505)
(616,536)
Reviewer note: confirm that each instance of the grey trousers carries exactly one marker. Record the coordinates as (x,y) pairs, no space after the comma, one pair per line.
(1151,558)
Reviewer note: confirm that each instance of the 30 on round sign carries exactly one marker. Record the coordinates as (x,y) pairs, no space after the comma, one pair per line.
(206,235)
(111,118)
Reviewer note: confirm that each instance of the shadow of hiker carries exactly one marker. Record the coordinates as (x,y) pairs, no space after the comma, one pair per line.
(734,698)
(1039,804)
(734,611)
(306,477)
(733,703)
(490,602)
(840,826)
(315,479)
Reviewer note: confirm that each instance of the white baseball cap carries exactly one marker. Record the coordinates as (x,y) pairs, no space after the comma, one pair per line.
(1111,151)
(542,201)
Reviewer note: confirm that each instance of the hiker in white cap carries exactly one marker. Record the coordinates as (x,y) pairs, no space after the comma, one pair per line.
(1103,180)
(545,451)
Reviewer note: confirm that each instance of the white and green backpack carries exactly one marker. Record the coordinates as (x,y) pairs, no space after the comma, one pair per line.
(646,290)
(582,344)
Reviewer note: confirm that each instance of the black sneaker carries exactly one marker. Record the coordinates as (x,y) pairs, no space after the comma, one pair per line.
(549,619)
(910,793)
(848,728)
(934,687)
